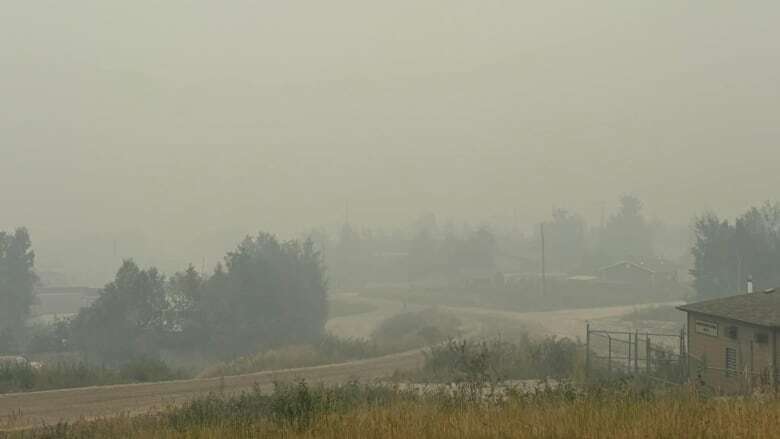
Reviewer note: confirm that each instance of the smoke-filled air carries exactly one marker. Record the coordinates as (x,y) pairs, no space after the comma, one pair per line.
(440,219)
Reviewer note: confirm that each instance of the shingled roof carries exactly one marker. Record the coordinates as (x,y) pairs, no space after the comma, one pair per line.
(761,308)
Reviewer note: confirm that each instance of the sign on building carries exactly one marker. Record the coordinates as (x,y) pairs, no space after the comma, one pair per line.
(707,328)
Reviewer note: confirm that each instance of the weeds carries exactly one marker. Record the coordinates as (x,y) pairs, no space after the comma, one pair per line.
(24,377)
(492,361)
(614,409)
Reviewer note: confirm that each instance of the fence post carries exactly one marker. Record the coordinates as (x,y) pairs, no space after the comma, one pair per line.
(630,348)
(636,351)
(609,355)
(647,353)
(587,351)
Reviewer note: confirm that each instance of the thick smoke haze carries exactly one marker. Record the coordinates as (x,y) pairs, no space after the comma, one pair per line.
(176,127)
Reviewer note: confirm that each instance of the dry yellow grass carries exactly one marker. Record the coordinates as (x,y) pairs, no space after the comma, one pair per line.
(667,417)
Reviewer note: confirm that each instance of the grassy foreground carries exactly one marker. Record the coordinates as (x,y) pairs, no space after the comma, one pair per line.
(358,411)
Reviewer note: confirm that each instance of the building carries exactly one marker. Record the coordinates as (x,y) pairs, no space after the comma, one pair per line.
(732,341)
(652,272)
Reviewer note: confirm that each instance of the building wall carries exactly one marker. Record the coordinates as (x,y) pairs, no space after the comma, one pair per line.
(708,354)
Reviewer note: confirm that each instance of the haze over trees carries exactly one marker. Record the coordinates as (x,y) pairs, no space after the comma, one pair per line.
(267,293)
(17,283)
(727,254)
(627,234)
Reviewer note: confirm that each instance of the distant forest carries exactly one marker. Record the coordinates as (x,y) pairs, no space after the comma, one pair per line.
(428,249)
(268,292)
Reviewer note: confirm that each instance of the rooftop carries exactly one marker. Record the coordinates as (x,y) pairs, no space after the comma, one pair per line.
(762,308)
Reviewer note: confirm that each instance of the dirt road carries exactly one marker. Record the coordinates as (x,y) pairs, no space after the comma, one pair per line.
(28,409)
(35,408)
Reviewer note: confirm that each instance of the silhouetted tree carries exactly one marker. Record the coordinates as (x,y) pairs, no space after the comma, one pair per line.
(725,255)
(127,319)
(17,283)
(565,240)
(269,293)
(627,234)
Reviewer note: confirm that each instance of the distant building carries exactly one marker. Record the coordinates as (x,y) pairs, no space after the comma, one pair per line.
(653,271)
(732,342)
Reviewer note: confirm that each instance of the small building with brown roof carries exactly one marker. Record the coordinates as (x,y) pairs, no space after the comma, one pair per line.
(732,341)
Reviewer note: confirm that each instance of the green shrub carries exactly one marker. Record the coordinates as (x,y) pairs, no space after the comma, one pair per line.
(497,360)
(411,330)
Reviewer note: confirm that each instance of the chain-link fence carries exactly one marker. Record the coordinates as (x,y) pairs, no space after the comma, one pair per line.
(658,355)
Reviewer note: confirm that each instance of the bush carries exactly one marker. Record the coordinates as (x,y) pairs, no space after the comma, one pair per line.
(497,360)
(48,338)
(411,330)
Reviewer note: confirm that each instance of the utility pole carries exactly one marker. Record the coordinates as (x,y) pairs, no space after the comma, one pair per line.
(544,268)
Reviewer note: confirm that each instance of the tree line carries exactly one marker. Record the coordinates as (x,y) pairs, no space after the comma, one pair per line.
(428,248)
(266,293)
(727,253)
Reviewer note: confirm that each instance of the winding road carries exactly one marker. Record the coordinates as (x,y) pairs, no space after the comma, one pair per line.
(24,410)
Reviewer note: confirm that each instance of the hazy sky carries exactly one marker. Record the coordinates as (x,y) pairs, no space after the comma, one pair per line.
(173,120)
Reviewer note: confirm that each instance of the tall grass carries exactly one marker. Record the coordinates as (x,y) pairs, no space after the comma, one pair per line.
(357,411)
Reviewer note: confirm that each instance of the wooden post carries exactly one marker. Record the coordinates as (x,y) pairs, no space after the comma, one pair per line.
(587,351)
(630,347)
(544,262)
(647,353)
(609,355)
(773,369)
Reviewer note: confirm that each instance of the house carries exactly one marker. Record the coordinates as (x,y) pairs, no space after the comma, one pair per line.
(653,272)
(732,341)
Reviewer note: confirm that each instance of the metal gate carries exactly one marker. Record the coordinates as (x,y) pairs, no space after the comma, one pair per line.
(659,355)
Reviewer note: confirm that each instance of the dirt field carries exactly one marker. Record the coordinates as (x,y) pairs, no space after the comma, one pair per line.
(27,409)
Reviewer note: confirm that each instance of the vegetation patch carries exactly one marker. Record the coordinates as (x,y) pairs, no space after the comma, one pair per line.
(344,308)
(496,360)
(618,409)
(27,377)
(402,332)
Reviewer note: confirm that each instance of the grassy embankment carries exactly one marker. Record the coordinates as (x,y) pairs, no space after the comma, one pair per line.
(399,333)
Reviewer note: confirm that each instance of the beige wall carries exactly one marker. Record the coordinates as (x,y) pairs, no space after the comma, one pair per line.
(708,354)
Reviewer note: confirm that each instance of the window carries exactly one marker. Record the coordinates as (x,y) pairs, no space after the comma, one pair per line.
(762,337)
(732,332)
(731,362)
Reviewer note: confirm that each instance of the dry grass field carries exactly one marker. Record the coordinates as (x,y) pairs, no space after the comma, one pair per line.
(612,415)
